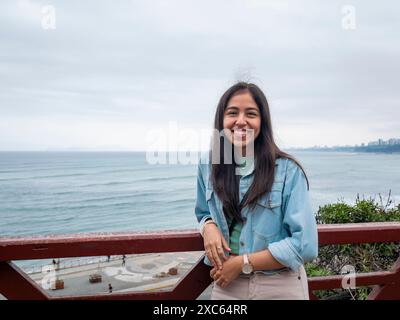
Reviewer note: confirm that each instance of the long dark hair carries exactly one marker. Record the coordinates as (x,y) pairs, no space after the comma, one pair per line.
(224,178)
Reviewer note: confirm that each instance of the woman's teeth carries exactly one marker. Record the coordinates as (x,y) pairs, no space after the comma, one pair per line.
(240,133)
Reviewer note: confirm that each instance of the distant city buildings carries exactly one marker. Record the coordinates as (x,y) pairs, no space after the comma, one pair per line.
(381,142)
(386,146)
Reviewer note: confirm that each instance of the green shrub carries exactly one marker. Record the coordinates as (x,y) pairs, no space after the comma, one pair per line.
(364,210)
(366,257)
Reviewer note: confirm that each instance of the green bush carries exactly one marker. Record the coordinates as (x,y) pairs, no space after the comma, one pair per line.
(364,210)
(367,257)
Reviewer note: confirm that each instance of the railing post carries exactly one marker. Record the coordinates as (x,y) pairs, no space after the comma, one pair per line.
(15,285)
(388,291)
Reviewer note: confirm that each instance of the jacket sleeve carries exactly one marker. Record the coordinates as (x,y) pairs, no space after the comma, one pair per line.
(298,219)
(201,208)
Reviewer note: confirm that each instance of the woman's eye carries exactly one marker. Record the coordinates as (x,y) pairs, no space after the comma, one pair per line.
(252,114)
(230,113)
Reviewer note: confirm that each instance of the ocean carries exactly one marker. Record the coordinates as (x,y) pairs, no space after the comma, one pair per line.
(72,192)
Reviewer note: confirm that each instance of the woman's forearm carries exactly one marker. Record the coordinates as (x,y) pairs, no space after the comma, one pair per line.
(263,260)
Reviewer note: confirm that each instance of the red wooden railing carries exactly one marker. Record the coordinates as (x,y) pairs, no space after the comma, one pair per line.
(15,284)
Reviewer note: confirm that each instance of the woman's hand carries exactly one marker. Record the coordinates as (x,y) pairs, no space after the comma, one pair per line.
(214,243)
(231,270)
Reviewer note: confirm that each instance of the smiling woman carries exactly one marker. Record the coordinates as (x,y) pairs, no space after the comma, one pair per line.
(257,222)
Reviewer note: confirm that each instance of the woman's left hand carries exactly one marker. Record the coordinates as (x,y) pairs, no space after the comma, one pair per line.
(230,271)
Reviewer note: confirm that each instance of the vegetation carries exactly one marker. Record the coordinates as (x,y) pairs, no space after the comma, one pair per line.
(368,257)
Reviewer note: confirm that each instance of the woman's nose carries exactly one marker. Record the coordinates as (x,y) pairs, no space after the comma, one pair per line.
(241,120)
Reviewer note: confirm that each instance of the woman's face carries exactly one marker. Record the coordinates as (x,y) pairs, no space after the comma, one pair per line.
(243,119)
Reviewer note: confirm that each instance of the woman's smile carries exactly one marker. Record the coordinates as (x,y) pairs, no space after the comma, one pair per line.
(242,134)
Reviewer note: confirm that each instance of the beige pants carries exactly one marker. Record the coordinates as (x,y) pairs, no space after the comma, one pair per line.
(286,285)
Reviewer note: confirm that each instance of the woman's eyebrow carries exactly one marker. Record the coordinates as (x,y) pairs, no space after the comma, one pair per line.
(237,108)
(252,109)
(232,107)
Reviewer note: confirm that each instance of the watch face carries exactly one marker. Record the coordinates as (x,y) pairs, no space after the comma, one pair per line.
(247,269)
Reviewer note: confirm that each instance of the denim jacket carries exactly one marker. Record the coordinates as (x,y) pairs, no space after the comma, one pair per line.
(282,220)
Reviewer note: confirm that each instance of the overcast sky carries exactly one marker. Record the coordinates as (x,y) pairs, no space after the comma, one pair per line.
(113,71)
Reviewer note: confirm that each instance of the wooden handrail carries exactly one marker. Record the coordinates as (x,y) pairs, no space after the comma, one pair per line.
(14,284)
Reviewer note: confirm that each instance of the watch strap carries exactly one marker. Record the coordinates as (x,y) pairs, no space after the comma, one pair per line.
(245,259)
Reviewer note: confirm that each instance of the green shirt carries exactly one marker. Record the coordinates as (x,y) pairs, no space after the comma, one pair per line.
(235,227)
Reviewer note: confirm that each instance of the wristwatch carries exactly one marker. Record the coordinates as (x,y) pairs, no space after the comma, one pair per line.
(247,266)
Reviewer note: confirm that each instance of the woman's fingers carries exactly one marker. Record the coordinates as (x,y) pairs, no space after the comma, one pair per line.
(225,244)
(218,278)
(216,257)
(217,275)
(212,272)
(215,245)
(210,256)
(221,253)
(216,254)
(220,281)
(213,256)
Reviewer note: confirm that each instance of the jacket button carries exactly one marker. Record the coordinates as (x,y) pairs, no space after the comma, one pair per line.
(241,243)
(244,219)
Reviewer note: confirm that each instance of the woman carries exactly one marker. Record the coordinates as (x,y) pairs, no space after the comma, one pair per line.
(253,205)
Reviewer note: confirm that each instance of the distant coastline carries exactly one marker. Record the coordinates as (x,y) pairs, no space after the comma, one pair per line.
(376,149)
(379,146)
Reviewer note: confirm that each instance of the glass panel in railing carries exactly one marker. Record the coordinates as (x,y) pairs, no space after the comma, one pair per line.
(110,274)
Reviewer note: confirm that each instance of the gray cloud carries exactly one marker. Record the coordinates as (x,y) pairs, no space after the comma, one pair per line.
(116,66)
